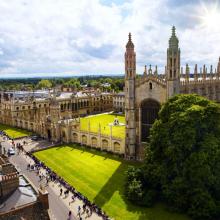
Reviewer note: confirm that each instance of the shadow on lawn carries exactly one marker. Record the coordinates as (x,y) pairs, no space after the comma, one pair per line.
(116,183)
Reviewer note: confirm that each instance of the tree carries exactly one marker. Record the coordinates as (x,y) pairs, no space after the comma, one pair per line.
(134,187)
(73,83)
(44,84)
(183,157)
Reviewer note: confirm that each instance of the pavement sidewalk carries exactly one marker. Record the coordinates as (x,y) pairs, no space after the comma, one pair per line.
(59,206)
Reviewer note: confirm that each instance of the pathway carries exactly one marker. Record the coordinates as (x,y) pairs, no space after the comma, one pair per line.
(59,206)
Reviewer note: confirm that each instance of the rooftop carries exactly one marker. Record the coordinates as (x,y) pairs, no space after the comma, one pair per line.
(23,195)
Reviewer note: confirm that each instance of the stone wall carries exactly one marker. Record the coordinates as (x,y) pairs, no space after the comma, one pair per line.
(9,183)
(99,141)
(33,211)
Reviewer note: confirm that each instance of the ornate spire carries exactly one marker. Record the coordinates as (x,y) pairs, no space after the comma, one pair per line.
(173,31)
(150,70)
(173,41)
(130,43)
(218,68)
(145,70)
(187,72)
(196,73)
(204,73)
(156,72)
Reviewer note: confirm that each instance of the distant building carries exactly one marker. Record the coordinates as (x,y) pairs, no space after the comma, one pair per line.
(119,102)
(57,116)
(106,85)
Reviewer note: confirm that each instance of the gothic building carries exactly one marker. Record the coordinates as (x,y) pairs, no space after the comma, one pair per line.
(144,95)
(56,116)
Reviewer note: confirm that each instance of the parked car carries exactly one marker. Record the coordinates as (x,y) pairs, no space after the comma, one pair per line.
(35,137)
(11,151)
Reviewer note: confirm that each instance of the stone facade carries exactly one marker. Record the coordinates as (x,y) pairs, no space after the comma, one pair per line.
(145,94)
(57,117)
(42,115)
(9,179)
(119,102)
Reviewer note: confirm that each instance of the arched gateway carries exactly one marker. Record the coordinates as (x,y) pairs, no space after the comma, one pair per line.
(149,112)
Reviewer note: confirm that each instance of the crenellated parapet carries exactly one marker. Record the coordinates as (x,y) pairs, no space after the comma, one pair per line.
(200,81)
(204,76)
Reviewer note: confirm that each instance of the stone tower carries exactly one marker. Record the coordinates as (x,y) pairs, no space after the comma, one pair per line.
(54,109)
(130,75)
(218,68)
(173,65)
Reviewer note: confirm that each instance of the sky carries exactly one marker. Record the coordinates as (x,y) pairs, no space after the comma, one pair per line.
(81,37)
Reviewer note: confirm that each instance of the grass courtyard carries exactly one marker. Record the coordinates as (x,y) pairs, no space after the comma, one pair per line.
(104,120)
(104,185)
(13,132)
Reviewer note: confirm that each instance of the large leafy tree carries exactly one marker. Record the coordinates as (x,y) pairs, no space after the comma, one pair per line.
(44,84)
(182,164)
(74,83)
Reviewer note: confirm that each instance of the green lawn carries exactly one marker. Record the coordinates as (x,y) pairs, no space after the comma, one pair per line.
(13,132)
(104,120)
(104,185)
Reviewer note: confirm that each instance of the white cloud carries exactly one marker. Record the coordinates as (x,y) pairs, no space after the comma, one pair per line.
(69,36)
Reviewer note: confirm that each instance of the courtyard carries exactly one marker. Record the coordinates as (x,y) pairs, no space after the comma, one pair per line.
(104,185)
(104,122)
(14,132)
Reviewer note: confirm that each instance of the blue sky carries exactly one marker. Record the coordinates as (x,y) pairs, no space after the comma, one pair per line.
(70,37)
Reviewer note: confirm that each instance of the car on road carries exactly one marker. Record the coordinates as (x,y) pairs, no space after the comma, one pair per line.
(11,151)
(35,138)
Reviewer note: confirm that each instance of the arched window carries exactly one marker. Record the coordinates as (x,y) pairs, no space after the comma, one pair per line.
(150,86)
(149,112)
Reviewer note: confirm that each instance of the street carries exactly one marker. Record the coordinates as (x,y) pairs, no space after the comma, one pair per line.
(59,206)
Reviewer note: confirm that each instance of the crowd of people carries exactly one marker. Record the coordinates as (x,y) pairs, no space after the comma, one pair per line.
(88,207)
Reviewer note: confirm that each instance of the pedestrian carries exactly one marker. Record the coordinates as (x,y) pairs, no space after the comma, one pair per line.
(79,214)
(84,208)
(79,208)
(87,213)
(69,215)
(47,179)
(61,192)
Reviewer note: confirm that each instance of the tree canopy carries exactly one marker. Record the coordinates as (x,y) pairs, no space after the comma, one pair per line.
(182,159)
(44,84)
